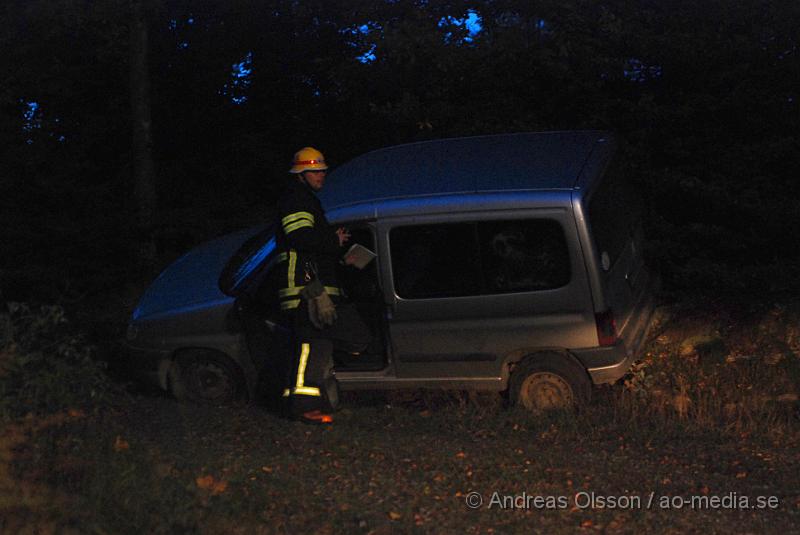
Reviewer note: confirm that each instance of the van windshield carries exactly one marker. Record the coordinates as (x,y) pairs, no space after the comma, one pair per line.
(247,267)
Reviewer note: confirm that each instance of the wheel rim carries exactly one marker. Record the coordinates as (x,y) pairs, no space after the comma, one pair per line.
(545,391)
(209,380)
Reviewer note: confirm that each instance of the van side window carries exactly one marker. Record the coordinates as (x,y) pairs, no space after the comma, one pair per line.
(481,258)
(435,261)
(523,256)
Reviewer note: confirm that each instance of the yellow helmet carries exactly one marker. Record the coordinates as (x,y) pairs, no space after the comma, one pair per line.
(308,159)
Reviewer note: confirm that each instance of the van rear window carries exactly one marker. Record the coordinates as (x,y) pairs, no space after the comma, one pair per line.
(615,211)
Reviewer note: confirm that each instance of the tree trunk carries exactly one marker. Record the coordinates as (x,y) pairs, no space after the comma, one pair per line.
(142,156)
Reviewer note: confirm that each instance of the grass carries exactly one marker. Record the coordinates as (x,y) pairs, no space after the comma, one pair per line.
(162,467)
(708,414)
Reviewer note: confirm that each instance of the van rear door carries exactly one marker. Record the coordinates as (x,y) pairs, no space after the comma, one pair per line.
(615,213)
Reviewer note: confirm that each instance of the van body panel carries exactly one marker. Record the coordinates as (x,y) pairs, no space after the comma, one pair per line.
(504,162)
(468,336)
(602,150)
(461,203)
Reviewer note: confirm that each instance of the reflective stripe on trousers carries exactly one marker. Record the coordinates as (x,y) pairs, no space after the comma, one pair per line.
(299,388)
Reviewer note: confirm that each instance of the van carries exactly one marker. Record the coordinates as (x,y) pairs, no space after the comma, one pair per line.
(509,263)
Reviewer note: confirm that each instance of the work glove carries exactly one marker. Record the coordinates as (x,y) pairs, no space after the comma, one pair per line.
(321,310)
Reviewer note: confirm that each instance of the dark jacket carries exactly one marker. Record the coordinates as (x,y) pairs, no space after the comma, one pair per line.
(307,242)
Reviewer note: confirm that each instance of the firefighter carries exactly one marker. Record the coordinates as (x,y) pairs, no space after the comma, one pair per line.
(309,294)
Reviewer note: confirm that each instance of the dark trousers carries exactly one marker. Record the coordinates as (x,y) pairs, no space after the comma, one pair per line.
(311,384)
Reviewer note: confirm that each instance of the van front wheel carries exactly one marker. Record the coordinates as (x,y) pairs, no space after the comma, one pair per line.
(549,381)
(205,377)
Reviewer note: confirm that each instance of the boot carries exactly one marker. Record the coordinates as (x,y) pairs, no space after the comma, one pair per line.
(316,417)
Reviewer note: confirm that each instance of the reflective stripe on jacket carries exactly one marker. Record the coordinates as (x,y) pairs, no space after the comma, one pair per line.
(308,243)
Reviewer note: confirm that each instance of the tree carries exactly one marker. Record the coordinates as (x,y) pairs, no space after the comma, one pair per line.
(141,120)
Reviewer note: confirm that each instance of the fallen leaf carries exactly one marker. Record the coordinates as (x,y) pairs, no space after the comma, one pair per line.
(219,487)
(205,482)
(395,516)
(215,486)
(120,444)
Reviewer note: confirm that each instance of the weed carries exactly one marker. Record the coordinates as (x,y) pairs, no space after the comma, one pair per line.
(713,373)
(45,366)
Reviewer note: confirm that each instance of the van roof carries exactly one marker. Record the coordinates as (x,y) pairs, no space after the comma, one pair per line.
(493,163)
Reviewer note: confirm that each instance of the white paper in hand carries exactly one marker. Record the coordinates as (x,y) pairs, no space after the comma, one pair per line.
(359,256)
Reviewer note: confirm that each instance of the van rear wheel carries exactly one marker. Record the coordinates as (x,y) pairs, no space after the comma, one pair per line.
(549,381)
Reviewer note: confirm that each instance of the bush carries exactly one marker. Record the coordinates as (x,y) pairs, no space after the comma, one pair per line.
(45,365)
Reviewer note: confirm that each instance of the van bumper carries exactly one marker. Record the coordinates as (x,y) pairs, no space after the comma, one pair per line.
(607,364)
(595,362)
(149,365)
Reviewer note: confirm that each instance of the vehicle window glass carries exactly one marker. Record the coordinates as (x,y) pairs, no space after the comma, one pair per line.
(489,257)
(523,255)
(435,261)
(248,266)
(362,236)
(615,210)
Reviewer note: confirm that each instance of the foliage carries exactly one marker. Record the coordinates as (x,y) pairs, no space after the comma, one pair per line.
(45,367)
(704,98)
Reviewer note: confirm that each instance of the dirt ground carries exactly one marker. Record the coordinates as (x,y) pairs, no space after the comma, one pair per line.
(166,467)
(703,436)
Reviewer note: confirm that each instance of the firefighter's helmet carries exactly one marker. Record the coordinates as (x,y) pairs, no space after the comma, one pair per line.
(308,159)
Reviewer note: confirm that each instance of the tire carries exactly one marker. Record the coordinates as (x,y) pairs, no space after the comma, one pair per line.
(206,377)
(549,381)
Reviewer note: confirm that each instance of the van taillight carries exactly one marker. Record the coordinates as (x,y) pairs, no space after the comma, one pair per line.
(606,328)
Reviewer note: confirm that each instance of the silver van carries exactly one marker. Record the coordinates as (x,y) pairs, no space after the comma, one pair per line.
(504,263)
